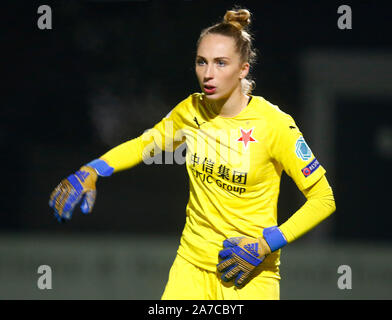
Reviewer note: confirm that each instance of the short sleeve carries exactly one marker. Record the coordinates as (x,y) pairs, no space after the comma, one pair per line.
(290,150)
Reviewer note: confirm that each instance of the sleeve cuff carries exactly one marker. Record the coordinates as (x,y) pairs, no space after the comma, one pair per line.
(274,237)
(101,167)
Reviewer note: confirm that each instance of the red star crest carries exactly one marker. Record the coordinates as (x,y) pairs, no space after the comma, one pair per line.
(246,136)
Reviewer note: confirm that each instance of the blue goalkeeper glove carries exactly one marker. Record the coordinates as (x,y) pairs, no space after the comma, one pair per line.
(241,255)
(77,187)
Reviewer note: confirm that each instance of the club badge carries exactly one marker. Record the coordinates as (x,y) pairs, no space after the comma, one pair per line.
(246,137)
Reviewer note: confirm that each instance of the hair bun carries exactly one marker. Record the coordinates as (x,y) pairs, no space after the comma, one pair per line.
(239,18)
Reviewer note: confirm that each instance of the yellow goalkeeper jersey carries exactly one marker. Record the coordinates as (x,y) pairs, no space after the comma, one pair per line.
(234,166)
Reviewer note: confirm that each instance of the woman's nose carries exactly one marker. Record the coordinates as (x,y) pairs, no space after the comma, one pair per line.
(209,73)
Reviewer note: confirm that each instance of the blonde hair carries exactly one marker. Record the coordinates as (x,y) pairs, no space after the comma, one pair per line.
(235,24)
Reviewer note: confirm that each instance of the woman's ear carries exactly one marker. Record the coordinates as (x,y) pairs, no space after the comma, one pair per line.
(244,70)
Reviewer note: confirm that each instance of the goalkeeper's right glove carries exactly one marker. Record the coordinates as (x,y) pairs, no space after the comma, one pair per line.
(77,187)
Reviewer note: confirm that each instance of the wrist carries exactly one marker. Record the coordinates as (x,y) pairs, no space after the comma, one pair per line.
(274,238)
(101,167)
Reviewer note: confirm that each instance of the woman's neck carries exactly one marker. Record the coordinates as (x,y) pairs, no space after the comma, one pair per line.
(231,106)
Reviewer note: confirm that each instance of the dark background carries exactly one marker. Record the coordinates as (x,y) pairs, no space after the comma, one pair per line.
(108,70)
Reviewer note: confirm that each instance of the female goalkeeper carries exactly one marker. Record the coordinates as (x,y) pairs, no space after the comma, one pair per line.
(237,146)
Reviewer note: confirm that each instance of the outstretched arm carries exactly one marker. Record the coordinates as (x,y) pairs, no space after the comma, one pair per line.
(80,186)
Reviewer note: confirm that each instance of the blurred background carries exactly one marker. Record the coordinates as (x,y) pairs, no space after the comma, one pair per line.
(108,70)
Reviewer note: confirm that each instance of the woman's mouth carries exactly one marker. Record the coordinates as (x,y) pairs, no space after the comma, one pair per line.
(209,89)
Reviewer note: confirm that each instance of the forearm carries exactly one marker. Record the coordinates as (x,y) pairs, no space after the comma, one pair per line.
(125,155)
(147,145)
(319,205)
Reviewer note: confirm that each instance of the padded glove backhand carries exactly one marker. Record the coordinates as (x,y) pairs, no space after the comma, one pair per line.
(241,256)
(77,187)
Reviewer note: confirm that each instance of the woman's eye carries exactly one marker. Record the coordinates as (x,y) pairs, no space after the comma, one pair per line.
(200,62)
(221,63)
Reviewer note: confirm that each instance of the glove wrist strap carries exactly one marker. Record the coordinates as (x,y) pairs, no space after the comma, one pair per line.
(101,167)
(274,237)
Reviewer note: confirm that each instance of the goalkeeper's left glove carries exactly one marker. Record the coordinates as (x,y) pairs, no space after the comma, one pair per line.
(242,254)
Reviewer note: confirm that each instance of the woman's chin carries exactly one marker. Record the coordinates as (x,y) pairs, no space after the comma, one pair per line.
(211,97)
(214,97)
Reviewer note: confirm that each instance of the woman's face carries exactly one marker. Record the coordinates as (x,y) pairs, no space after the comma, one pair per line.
(219,68)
